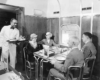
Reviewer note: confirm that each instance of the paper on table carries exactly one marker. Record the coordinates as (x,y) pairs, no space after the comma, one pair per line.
(60,58)
(10,76)
(56,50)
(13,76)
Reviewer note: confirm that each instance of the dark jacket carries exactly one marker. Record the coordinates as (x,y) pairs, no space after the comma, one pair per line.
(89,50)
(74,58)
(31,50)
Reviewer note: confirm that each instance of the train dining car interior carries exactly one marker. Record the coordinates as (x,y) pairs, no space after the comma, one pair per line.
(49,40)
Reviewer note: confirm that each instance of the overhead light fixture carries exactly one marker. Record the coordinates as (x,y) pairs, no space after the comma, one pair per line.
(56,12)
(87,8)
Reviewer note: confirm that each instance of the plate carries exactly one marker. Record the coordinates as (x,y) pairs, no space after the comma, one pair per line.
(60,58)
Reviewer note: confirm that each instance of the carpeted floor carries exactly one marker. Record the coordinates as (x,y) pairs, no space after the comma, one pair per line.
(19,67)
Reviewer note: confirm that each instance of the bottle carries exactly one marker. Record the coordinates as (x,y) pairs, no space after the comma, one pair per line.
(45,52)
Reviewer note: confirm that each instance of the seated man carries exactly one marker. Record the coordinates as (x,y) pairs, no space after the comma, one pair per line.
(74,58)
(89,50)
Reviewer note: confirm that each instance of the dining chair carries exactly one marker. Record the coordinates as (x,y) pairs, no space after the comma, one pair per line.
(73,73)
(29,66)
(90,63)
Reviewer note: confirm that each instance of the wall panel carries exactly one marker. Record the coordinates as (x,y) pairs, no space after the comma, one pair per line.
(96,41)
(35,25)
(85,25)
(53,27)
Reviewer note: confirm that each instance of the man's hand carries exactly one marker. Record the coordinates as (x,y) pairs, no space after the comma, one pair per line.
(52,61)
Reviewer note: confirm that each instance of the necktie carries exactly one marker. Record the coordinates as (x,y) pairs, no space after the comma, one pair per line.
(12,27)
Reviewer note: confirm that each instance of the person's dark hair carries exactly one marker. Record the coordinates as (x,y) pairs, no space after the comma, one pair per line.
(0,52)
(88,34)
(12,19)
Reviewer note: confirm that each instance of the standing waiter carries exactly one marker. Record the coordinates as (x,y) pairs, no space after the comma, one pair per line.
(9,32)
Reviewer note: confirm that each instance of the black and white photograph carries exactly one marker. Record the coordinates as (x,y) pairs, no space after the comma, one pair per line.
(49,40)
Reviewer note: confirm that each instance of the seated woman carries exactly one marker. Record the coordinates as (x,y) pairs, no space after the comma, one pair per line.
(48,41)
(33,46)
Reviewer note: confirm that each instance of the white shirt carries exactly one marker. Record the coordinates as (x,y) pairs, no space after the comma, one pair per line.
(48,40)
(7,33)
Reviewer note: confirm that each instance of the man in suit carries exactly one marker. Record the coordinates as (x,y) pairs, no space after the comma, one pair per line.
(88,49)
(74,58)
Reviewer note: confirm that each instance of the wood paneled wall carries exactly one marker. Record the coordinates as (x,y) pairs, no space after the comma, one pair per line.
(53,27)
(85,26)
(96,40)
(36,25)
(41,25)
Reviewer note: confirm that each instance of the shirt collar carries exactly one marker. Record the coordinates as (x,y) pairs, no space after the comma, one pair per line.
(12,27)
(88,41)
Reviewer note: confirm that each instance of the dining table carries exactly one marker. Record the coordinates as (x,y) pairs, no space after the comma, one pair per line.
(43,56)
